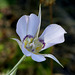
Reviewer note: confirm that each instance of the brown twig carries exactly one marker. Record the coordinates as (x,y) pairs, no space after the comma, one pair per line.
(51,20)
(50,4)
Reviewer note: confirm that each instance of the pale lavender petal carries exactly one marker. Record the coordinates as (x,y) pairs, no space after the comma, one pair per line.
(53,57)
(55,41)
(22,26)
(38,57)
(25,51)
(33,24)
(53,34)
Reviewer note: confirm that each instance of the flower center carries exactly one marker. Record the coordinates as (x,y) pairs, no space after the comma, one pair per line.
(33,45)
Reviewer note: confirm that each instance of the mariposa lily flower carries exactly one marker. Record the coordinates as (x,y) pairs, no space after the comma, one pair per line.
(31,45)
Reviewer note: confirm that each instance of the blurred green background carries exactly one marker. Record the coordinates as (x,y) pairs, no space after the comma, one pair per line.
(10,53)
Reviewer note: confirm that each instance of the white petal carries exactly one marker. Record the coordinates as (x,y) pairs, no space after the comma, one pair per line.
(25,51)
(52,35)
(22,27)
(53,57)
(18,41)
(57,40)
(33,24)
(38,58)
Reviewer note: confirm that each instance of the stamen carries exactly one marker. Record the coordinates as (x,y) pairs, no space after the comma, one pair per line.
(33,45)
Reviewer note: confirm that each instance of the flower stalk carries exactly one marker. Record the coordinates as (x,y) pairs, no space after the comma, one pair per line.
(14,72)
(16,66)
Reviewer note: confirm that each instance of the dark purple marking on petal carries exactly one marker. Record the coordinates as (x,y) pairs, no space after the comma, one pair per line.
(43,45)
(32,50)
(42,41)
(30,36)
(25,37)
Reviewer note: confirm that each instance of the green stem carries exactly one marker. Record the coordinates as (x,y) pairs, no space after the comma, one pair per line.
(14,72)
(23,57)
